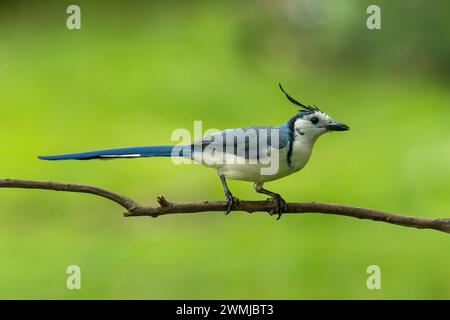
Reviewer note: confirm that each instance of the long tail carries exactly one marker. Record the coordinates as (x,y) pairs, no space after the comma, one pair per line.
(133,152)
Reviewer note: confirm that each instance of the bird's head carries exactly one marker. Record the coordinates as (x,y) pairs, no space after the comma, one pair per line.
(312,122)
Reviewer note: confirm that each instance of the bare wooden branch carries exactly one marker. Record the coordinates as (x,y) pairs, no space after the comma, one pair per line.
(165,207)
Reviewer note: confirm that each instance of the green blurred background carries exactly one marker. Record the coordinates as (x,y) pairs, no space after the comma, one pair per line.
(136,71)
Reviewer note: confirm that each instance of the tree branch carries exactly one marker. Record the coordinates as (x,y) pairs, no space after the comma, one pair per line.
(165,207)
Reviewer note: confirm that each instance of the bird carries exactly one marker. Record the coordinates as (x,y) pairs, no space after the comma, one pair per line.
(256,154)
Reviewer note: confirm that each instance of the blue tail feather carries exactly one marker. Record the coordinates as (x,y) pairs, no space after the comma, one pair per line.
(133,152)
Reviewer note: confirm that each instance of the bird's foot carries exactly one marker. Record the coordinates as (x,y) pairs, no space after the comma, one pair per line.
(279,206)
(231,203)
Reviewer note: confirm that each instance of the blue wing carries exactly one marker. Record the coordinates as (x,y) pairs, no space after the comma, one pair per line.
(251,141)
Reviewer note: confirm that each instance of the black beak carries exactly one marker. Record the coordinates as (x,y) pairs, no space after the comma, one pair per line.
(337,126)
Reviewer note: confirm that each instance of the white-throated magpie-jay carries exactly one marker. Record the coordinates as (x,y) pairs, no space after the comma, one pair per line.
(258,154)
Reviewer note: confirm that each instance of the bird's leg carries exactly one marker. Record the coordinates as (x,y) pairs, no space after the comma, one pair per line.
(280,205)
(231,200)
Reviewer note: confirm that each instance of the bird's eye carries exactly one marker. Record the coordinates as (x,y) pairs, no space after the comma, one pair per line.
(314,120)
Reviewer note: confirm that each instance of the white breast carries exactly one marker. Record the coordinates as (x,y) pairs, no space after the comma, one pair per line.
(240,169)
(301,152)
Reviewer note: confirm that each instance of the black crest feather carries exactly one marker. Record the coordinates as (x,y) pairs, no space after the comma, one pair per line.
(312,108)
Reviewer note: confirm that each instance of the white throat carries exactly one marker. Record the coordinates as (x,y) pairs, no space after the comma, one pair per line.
(301,149)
